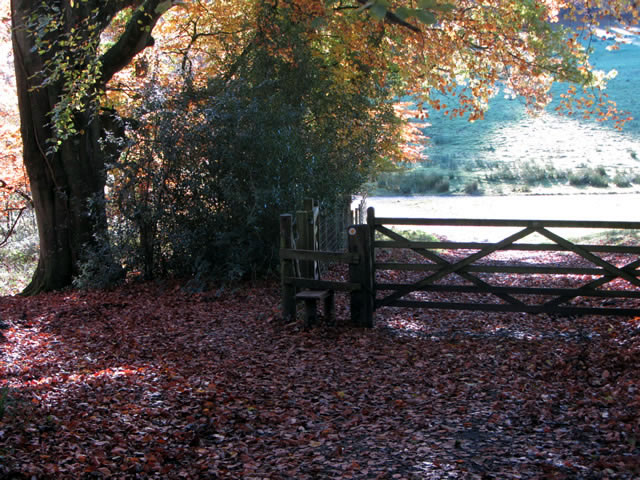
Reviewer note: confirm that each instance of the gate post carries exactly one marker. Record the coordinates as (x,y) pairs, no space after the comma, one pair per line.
(361,273)
(288,304)
(371,222)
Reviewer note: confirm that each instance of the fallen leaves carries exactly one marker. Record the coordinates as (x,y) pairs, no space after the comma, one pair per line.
(151,382)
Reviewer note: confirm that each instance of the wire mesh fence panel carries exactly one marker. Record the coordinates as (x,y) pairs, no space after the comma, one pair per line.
(327,228)
(332,226)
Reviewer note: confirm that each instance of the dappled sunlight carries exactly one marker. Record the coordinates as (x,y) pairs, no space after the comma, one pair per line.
(42,367)
(62,380)
(26,350)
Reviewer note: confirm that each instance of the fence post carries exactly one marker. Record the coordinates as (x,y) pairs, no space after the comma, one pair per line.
(345,217)
(361,273)
(286,270)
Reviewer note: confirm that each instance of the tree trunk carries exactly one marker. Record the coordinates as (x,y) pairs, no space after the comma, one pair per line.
(67,184)
(67,188)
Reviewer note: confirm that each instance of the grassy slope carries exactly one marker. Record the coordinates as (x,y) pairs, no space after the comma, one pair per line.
(510,151)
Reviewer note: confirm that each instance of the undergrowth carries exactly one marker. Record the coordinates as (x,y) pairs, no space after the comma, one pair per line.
(18,256)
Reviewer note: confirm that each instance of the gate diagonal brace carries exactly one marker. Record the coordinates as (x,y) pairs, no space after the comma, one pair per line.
(590,287)
(626,272)
(441,261)
(588,256)
(456,267)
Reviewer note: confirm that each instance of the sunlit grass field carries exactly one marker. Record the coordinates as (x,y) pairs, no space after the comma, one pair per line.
(511,151)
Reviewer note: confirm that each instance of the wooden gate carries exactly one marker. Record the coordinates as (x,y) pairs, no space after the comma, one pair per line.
(597,279)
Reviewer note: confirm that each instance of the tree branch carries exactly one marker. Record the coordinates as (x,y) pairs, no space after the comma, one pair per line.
(394,19)
(136,37)
(12,227)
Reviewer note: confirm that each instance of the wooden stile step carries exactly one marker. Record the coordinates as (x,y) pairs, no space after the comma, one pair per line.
(311,298)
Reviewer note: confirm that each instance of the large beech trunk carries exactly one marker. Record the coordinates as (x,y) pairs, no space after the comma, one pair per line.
(69,206)
(67,183)
(68,195)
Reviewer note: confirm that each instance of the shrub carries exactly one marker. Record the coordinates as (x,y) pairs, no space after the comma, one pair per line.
(200,190)
(621,180)
(471,188)
(414,182)
(442,185)
(590,177)
(426,181)
(507,173)
(534,174)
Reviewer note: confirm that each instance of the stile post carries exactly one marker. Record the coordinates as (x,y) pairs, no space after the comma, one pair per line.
(308,204)
(286,270)
(305,240)
(361,273)
(337,229)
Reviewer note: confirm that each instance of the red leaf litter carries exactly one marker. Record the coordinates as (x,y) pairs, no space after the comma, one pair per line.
(149,381)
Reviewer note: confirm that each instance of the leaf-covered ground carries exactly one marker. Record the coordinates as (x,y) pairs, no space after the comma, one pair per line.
(148,381)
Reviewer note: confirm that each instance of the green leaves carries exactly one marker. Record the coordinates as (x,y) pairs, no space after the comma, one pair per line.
(70,66)
(318,23)
(163,7)
(433,5)
(424,16)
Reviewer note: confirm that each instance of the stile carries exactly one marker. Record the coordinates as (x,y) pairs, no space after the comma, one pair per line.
(363,287)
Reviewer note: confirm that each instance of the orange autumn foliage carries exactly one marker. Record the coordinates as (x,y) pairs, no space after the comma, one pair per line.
(463,49)
(14,188)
